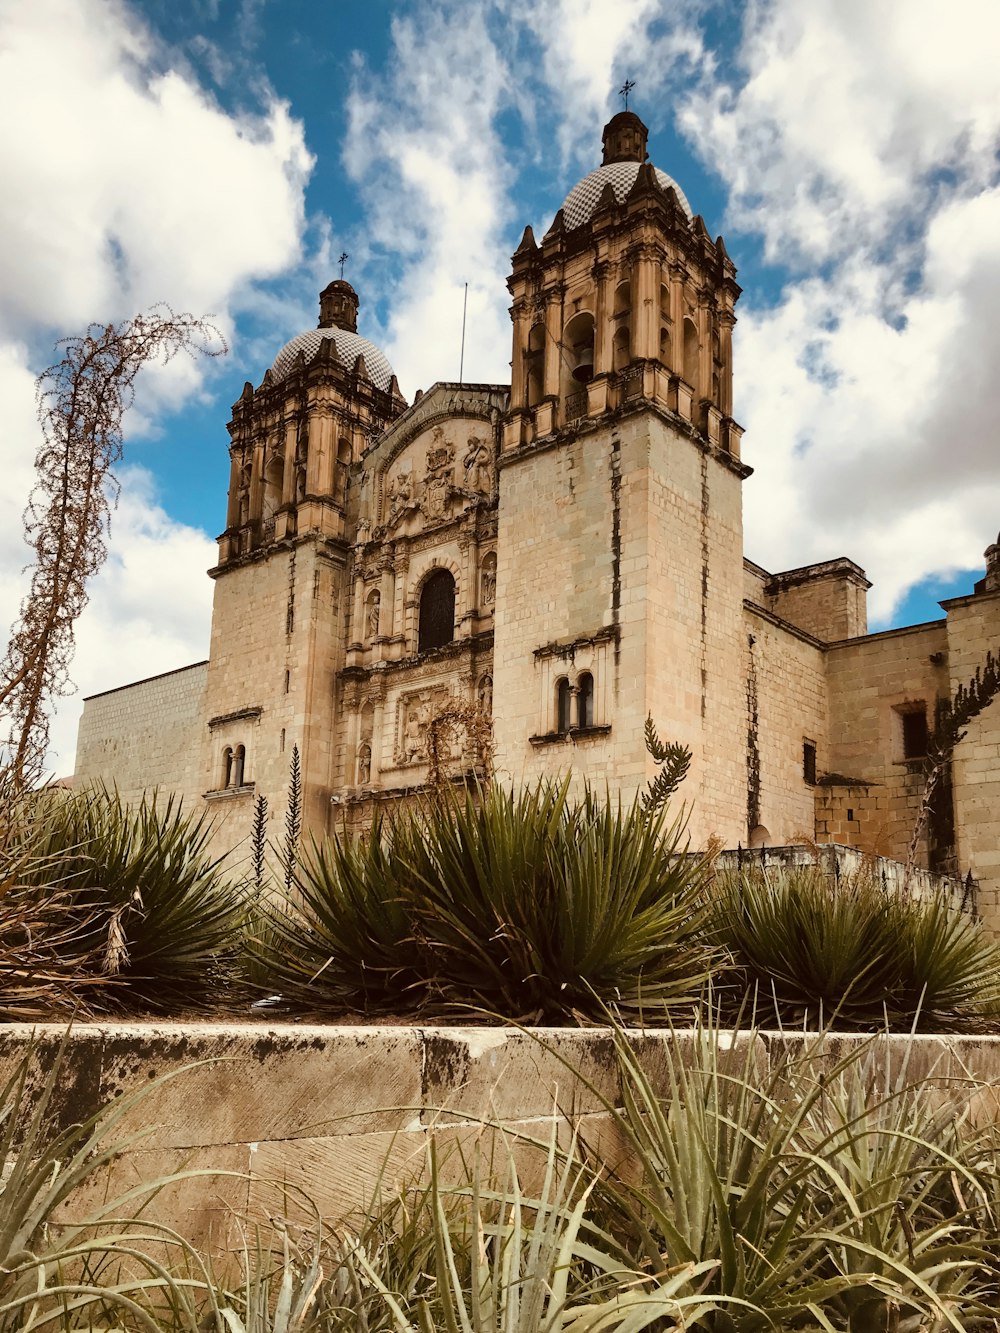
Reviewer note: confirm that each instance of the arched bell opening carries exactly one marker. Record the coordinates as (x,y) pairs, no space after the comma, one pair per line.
(578,352)
(273,474)
(664,352)
(535,365)
(563,701)
(621,341)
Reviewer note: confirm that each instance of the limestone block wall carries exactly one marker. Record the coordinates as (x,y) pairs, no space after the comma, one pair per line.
(145,735)
(691,599)
(277,642)
(556,567)
(873,683)
(827,600)
(620,553)
(973,629)
(786,709)
(288,1114)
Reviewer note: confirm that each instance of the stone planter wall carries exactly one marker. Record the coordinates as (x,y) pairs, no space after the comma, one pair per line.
(292,1112)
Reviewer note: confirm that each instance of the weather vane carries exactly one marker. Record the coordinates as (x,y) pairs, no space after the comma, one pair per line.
(625,89)
(342,259)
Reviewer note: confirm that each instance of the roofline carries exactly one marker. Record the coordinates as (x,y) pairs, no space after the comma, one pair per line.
(162,675)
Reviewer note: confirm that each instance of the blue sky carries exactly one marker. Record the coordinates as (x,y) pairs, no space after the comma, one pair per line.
(220,154)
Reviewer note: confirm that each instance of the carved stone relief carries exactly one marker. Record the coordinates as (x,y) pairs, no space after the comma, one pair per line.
(416,712)
(432,489)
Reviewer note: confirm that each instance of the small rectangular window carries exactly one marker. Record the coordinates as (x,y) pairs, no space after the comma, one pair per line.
(914,732)
(809,762)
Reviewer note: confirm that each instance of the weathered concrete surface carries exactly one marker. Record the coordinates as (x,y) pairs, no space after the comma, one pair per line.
(279,1120)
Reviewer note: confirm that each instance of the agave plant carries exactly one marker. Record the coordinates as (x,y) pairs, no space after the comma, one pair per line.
(109,1266)
(139,883)
(826,1194)
(856,953)
(526,905)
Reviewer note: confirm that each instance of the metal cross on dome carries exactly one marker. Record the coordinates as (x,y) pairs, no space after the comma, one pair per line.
(342,259)
(625,89)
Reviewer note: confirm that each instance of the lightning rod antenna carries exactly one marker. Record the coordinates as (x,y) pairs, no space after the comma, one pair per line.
(461,360)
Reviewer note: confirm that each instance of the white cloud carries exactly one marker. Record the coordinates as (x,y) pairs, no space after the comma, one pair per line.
(125,184)
(589,47)
(862,148)
(424,151)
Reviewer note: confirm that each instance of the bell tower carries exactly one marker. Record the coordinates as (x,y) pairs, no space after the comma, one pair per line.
(619,589)
(282,582)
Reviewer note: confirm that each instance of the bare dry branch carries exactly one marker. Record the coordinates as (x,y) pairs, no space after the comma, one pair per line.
(81,401)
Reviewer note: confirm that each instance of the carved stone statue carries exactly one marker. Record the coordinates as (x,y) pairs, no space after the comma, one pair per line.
(488,582)
(374,610)
(486,696)
(398,494)
(364,765)
(478,462)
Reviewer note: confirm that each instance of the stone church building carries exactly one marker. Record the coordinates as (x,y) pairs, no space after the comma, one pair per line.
(520,573)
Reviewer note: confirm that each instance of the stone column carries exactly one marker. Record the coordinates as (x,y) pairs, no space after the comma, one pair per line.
(726,321)
(233,502)
(257,481)
(288,474)
(646,306)
(553,338)
(604,331)
(518,380)
(319,466)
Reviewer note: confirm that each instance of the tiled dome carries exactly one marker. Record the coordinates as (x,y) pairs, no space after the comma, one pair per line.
(582,199)
(349,347)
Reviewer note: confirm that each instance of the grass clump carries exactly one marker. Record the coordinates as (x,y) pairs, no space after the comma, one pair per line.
(527,904)
(855,952)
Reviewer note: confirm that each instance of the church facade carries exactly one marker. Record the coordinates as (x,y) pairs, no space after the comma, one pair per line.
(510,578)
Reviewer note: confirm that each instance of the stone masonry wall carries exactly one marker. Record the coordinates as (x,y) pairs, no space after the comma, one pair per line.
(974,630)
(301,1115)
(145,735)
(786,708)
(873,682)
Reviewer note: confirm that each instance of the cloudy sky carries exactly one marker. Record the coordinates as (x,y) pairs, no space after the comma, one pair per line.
(220,154)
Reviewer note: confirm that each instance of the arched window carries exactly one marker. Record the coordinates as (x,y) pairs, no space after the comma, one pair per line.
(563,697)
(585,700)
(227,767)
(239,761)
(535,365)
(620,350)
(437,611)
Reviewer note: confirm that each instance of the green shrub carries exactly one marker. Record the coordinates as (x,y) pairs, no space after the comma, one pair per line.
(137,884)
(528,905)
(855,953)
